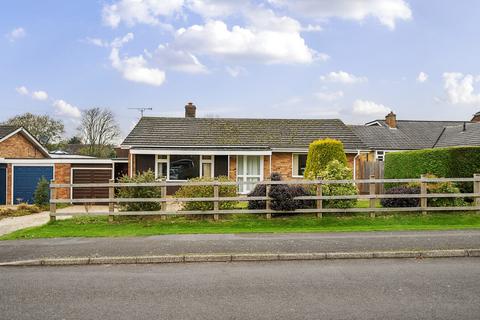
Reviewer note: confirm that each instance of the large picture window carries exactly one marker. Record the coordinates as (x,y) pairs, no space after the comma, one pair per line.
(183,167)
(299,164)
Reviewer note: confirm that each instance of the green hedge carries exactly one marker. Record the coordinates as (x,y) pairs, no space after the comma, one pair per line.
(321,153)
(454,162)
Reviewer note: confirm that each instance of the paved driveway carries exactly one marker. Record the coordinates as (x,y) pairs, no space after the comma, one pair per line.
(9,225)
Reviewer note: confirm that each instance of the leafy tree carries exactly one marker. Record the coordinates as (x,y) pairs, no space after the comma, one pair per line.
(98,130)
(44,128)
(321,153)
(74,140)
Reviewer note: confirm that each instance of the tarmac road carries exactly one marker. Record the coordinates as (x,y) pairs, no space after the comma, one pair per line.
(336,289)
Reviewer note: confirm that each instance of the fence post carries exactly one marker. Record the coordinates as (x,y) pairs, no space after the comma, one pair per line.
(423,192)
(111,196)
(163,204)
(268,203)
(476,189)
(372,189)
(216,194)
(319,201)
(53,196)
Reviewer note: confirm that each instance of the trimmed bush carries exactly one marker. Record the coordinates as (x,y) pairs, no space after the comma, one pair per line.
(140,192)
(337,170)
(205,192)
(41,196)
(321,153)
(444,187)
(400,203)
(454,162)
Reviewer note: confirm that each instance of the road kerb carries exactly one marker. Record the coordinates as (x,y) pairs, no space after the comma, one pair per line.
(227,257)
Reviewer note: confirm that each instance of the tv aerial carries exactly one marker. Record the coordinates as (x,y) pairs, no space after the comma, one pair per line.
(141,110)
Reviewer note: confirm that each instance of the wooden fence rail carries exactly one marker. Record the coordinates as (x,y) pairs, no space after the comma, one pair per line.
(317,196)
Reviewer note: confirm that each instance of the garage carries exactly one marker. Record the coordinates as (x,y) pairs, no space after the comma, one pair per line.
(25,180)
(3,185)
(88,174)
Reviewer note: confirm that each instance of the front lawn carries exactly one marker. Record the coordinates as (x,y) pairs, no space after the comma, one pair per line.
(130,227)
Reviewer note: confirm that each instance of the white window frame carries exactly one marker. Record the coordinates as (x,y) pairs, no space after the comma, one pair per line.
(244,176)
(293,164)
(212,167)
(380,154)
(158,160)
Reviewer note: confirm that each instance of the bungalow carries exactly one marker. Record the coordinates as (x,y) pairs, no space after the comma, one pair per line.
(24,161)
(177,149)
(390,134)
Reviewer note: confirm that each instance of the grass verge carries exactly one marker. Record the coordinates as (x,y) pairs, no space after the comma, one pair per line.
(130,227)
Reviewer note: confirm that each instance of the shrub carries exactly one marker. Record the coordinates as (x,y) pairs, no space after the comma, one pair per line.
(443,187)
(320,154)
(140,192)
(260,191)
(41,196)
(454,162)
(405,202)
(192,191)
(337,170)
(282,196)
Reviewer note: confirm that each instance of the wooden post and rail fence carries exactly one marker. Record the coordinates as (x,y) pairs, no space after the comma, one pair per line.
(316,185)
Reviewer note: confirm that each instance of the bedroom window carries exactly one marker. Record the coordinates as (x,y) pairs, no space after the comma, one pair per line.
(249,169)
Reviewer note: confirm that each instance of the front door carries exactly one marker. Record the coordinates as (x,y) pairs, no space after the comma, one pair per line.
(249,169)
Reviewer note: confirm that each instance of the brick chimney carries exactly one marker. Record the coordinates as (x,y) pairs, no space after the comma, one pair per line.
(190,110)
(391,120)
(476,117)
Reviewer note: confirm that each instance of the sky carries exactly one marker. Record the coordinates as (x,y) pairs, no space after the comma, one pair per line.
(355,60)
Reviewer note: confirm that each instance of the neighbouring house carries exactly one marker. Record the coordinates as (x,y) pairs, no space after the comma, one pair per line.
(24,161)
(390,134)
(178,149)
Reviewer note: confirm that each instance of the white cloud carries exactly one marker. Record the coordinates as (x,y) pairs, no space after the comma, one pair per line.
(460,88)
(168,58)
(342,77)
(329,96)
(22,90)
(16,34)
(369,108)
(136,69)
(39,95)
(386,11)
(132,12)
(268,46)
(215,8)
(63,108)
(422,77)
(235,71)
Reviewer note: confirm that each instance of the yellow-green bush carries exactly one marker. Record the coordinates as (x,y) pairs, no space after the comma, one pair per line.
(321,153)
(193,191)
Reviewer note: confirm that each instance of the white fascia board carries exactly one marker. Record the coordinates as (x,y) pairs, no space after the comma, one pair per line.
(53,161)
(202,152)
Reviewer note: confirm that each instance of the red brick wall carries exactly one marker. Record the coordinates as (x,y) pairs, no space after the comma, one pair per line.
(232,174)
(282,163)
(62,175)
(18,146)
(266,167)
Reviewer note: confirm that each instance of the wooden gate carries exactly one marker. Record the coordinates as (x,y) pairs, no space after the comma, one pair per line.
(367,169)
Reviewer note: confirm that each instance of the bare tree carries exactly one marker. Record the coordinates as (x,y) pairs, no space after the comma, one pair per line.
(98,130)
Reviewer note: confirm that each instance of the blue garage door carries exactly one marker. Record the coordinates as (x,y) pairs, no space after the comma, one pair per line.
(25,180)
(3,185)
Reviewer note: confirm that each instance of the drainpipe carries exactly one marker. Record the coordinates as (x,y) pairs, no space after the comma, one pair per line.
(355,164)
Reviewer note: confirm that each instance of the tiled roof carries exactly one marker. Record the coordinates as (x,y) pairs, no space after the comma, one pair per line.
(409,134)
(457,136)
(6,130)
(238,132)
